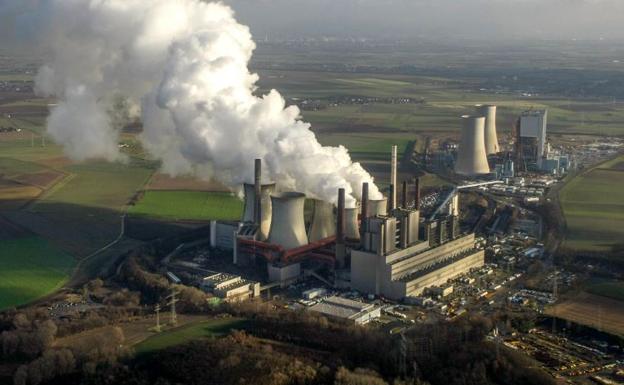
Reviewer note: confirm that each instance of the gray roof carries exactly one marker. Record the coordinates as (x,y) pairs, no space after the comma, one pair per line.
(342,307)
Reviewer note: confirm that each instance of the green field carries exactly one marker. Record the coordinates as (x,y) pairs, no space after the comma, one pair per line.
(593,205)
(188,205)
(610,289)
(29,269)
(212,328)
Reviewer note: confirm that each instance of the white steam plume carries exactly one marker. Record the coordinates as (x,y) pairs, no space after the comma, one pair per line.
(183,65)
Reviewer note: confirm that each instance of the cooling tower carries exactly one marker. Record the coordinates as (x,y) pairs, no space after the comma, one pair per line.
(377,207)
(352,230)
(491,139)
(287,223)
(265,204)
(471,157)
(323,224)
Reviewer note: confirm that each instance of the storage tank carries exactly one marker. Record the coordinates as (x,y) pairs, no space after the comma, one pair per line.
(352,230)
(287,223)
(472,157)
(323,224)
(265,204)
(490,136)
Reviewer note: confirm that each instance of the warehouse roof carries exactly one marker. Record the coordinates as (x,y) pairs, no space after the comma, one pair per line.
(343,308)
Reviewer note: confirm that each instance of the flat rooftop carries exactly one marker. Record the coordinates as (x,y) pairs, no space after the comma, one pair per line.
(342,307)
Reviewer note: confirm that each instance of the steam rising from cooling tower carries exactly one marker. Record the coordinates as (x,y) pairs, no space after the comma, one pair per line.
(472,157)
(181,67)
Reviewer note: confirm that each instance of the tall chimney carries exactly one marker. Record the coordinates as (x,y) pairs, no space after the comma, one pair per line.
(393,178)
(340,217)
(364,213)
(417,197)
(404,202)
(258,191)
(340,229)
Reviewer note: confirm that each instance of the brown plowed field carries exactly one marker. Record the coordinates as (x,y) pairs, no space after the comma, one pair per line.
(602,313)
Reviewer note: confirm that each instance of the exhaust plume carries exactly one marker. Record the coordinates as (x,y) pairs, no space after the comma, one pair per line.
(182,68)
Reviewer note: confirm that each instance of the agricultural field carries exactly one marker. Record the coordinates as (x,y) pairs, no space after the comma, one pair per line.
(187,333)
(609,289)
(30,268)
(593,205)
(595,311)
(188,205)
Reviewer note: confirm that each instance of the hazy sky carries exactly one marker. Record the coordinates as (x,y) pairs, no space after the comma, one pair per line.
(448,19)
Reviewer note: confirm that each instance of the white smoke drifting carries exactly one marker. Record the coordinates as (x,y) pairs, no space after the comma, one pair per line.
(183,65)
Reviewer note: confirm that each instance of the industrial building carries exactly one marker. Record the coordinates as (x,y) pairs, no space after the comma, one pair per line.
(346,309)
(531,139)
(230,287)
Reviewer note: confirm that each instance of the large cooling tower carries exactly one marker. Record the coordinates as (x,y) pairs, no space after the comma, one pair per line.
(377,207)
(352,230)
(287,223)
(491,139)
(323,224)
(265,207)
(472,157)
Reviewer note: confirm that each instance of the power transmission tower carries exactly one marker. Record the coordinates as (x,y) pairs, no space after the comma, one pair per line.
(172,301)
(157,309)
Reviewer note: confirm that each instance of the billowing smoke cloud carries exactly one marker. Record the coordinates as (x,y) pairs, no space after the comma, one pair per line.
(183,66)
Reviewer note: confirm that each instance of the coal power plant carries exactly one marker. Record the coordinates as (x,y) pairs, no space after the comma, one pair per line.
(382,246)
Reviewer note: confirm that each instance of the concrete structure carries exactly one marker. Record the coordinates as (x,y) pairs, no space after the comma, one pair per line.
(399,273)
(377,207)
(342,308)
(249,214)
(532,136)
(285,274)
(323,224)
(287,223)
(472,156)
(230,287)
(490,136)
(314,293)
(352,230)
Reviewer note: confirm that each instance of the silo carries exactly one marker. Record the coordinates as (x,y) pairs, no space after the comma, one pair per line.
(352,230)
(265,204)
(377,207)
(323,224)
(287,223)
(471,157)
(491,138)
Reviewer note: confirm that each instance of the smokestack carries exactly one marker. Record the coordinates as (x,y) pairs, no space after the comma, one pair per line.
(340,229)
(258,191)
(472,157)
(391,202)
(249,213)
(340,217)
(491,139)
(404,202)
(287,224)
(364,213)
(393,178)
(323,224)
(417,195)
